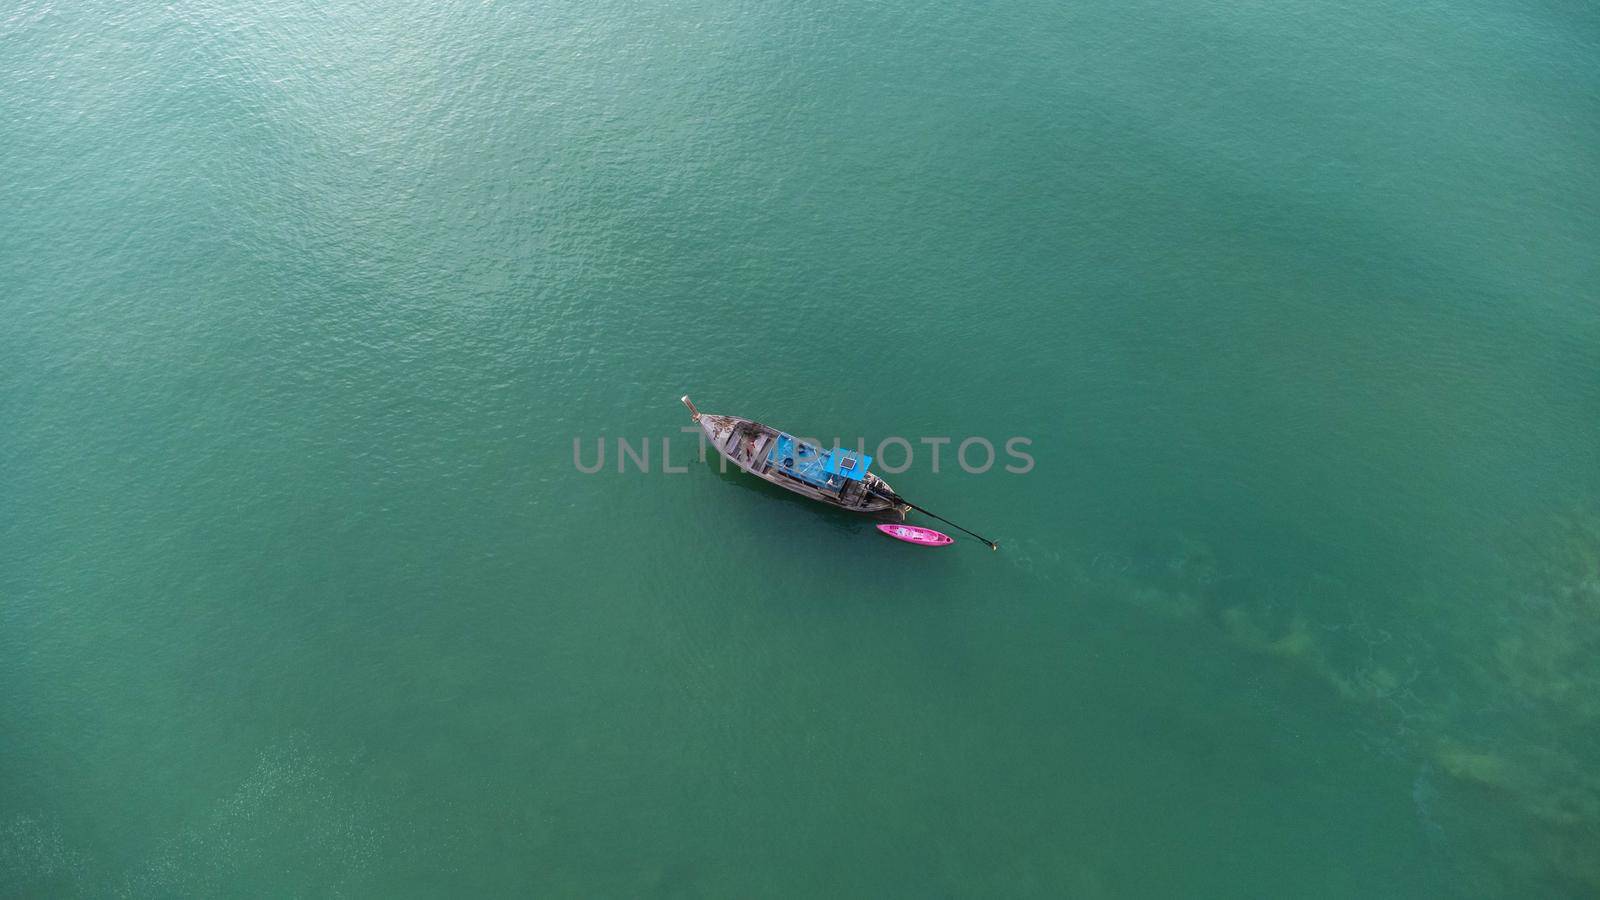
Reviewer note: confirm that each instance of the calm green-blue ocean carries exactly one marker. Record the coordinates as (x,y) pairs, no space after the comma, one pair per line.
(314,313)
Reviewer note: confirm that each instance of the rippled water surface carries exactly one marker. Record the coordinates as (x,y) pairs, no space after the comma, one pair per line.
(301,592)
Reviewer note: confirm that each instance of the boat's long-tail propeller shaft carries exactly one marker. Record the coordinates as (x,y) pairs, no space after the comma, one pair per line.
(896,498)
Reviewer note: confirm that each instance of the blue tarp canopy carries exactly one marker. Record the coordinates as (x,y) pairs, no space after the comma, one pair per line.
(811,464)
(851,465)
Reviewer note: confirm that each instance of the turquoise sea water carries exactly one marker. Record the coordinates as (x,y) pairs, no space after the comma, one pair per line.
(301,592)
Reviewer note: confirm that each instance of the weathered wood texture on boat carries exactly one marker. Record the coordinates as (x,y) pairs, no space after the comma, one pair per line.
(746,442)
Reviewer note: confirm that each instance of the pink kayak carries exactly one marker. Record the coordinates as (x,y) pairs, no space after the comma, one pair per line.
(911,534)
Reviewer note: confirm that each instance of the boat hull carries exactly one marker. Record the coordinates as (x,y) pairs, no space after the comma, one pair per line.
(742,442)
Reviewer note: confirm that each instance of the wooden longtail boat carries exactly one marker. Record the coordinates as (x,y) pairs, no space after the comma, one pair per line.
(837,477)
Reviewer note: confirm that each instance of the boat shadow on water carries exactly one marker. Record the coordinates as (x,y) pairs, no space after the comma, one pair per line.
(834,519)
(777,522)
(816,514)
